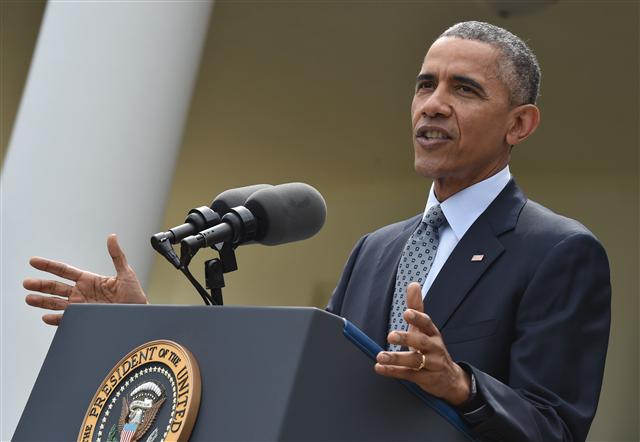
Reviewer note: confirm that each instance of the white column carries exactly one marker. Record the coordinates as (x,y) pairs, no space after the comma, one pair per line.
(92,152)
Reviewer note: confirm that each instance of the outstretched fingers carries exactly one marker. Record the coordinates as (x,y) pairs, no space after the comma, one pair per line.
(408,359)
(117,255)
(52,319)
(398,372)
(413,340)
(414,315)
(56,268)
(420,322)
(51,287)
(47,302)
(414,297)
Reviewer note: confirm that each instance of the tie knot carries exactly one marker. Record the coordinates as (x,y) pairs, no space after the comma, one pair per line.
(435,217)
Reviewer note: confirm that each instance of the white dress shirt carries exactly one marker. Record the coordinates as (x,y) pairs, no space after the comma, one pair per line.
(461,211)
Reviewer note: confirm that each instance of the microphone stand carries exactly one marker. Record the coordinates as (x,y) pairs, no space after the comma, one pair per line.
(201,291)
(214,270)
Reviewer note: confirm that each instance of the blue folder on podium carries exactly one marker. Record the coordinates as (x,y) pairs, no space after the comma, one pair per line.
(267,374)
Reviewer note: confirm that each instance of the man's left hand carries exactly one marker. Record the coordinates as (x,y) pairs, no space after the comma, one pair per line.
(440,376)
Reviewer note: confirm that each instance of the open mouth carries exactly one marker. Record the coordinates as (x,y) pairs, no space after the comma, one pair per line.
(430,135)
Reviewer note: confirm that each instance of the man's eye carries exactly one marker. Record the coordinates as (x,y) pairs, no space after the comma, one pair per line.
(425,85)
(466,89)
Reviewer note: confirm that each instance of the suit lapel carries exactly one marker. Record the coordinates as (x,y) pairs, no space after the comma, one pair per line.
(460,273)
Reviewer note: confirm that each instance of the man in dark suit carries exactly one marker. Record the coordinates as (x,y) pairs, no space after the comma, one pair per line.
(517,298)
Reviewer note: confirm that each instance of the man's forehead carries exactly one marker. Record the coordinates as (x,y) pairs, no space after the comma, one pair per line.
(455,56)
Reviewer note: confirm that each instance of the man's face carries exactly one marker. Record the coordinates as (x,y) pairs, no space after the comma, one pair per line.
(460,114)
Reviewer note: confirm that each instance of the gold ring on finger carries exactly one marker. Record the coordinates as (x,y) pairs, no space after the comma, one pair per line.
(423,361)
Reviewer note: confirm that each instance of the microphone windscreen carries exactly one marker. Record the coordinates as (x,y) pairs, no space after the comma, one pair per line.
(287,212)
(228,199)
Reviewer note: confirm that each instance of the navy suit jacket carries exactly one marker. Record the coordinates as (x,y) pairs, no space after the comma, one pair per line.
(531,319)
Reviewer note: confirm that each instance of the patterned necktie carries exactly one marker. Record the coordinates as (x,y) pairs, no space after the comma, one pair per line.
(415,263)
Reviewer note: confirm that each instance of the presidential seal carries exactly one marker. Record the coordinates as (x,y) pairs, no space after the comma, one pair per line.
(151,395)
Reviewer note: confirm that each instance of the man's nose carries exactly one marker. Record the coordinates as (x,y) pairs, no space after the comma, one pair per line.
(437,104)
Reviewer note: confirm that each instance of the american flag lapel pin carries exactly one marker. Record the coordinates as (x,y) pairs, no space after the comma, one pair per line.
(477,258)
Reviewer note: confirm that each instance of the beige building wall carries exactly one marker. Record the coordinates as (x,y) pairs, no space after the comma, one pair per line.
(320,92)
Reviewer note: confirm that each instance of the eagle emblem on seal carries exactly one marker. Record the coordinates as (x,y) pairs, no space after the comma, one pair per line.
(139,412)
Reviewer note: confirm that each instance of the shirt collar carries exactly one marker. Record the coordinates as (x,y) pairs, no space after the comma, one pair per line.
(464,208)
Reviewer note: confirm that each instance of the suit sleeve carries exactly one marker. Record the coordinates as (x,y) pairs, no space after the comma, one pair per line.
(557,357)
(335,303)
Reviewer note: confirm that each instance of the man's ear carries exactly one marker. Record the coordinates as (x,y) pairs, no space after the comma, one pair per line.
(524,121)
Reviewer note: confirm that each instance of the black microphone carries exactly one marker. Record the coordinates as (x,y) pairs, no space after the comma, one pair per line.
(201,218)
(231,198)
(271,216)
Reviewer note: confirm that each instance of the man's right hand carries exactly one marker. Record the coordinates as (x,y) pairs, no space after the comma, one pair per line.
(123,288)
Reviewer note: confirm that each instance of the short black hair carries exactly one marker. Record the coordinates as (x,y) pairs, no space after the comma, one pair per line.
(519,67)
